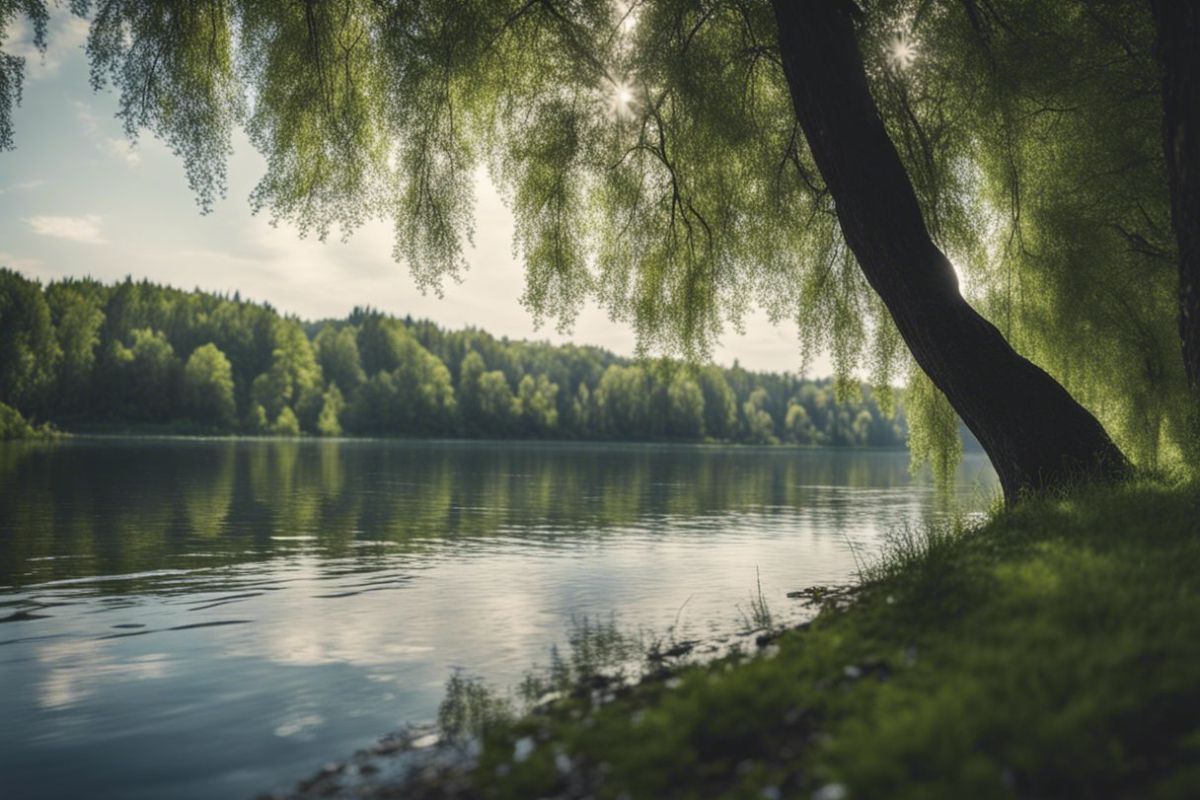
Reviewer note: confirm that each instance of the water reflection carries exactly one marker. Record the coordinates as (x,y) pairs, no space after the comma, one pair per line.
(207,618)
(88,509)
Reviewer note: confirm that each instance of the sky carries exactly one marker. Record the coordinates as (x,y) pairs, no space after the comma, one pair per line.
(76,199)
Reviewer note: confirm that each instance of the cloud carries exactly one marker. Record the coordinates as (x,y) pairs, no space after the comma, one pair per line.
(112,146)
(67,33)
(22,186)
(85,229)
(120,149)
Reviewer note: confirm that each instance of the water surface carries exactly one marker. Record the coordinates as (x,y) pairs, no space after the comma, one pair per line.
(211,619)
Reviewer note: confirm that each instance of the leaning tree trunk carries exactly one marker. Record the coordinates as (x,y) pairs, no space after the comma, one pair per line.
(1035,434)
(1178,23)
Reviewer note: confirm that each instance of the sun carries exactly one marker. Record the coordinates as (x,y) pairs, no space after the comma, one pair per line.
(622,99)
(902,51)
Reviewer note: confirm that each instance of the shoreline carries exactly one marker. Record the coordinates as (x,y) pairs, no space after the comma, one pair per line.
(1048,651)
(420,760)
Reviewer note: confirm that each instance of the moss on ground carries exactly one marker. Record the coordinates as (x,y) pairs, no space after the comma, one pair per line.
(1053,651)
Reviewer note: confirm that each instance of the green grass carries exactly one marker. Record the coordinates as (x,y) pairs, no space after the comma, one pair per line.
(1053,651)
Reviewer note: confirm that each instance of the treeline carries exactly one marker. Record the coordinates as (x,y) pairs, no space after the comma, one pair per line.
(79,353)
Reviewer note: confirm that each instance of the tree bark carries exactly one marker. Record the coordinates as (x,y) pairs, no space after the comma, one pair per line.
(1178,26)
(1034,432)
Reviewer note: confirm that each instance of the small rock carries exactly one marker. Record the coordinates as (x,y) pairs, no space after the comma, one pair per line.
(770,793)
(852,672)
(428,740)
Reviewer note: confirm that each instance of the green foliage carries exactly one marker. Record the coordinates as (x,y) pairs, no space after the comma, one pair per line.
(151,372)
(256,419)
(797,424)
(113,355)
(537,404)
(208,387)
(172,66)
(332,405)
(293,372)
(28,350)
(337,353)
(760,428)
(685,411)
(933,436)
(75,309)
(496,402)
(468,392)
(720,404)
(411,393)
(286,423)
(15,426)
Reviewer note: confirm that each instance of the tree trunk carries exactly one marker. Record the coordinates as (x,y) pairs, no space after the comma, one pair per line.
(1034,432)
(1178,24)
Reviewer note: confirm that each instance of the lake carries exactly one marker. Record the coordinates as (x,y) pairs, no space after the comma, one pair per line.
(216,618)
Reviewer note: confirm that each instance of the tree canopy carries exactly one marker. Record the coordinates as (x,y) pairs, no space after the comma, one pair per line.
(654,162)
(136,353)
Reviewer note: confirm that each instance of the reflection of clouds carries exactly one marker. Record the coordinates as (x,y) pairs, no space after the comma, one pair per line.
(311,640)
(301,727)
(76,670)
(300,629)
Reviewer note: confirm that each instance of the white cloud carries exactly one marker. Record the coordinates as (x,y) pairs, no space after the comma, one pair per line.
(22,186)
(67,33)
(85,229)
(112,146)
(120,149)
(85,115)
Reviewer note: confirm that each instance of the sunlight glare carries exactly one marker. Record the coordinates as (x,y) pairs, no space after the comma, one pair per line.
(622,99)
(902,52)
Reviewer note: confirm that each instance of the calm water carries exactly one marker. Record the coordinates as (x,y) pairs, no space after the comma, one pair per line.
(210,619)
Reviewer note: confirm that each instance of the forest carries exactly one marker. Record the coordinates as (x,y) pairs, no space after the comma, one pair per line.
(83,355)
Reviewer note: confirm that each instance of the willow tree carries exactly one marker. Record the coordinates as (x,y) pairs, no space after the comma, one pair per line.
(680,161)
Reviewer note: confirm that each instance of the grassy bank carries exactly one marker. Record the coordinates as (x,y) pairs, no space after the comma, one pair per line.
(1053,651)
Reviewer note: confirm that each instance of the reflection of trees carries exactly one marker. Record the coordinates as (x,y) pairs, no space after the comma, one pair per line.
(206,503)
(120,508)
